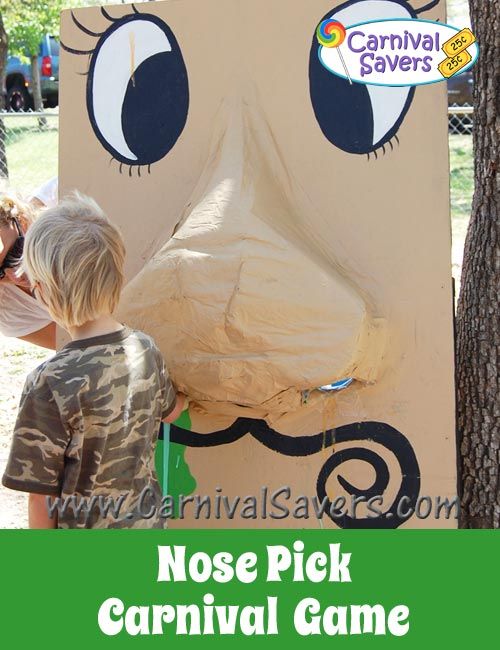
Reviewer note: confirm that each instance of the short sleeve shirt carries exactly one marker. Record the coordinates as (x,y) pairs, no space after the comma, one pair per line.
(47,193)
(20,313)
(86,431)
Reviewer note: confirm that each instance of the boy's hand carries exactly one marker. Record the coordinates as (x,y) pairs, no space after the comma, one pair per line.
(38,515)
(180,404)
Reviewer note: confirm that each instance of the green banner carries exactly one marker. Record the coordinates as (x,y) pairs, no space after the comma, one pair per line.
(203,589)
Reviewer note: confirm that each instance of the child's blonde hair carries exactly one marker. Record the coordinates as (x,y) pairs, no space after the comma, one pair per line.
(76,254)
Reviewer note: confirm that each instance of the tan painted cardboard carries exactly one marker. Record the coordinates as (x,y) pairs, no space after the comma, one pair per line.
(293,263)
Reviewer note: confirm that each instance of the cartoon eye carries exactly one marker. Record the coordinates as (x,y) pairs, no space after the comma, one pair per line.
(357,118)
(137,88)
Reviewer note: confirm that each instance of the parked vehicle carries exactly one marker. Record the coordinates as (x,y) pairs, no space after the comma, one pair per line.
(18,82)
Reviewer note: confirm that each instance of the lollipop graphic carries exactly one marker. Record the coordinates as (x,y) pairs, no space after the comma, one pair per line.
(331,33)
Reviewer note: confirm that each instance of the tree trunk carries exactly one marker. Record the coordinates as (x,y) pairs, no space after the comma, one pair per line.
(4,45)
(37,89)
(478,317)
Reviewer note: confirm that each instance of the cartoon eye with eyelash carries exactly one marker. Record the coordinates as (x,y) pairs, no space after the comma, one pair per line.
(357,118)
(137,88)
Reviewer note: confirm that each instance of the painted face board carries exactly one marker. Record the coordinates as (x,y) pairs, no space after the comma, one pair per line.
(286,231)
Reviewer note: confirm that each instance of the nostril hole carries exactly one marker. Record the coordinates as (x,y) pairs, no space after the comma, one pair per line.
(336,386)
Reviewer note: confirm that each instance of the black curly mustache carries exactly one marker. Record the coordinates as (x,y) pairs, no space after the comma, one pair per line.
(377,432)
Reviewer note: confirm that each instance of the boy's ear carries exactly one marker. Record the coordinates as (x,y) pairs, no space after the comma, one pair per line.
(38,292)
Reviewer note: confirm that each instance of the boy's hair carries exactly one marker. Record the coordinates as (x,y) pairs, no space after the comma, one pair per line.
(76,254)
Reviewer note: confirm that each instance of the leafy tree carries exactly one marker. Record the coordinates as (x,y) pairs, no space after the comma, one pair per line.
(27,22)
(478,316)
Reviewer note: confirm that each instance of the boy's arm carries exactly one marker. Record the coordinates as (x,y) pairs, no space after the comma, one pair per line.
(45,338)
(180,405)
(38,515)
(172,402)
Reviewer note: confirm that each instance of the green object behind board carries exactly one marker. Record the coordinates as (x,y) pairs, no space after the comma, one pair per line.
(180,480)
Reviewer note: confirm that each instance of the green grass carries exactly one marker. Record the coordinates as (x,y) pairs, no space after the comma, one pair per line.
(31,152)
(462,184)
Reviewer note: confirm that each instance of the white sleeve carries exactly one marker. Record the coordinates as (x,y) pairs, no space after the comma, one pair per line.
(47,193)
(20,314)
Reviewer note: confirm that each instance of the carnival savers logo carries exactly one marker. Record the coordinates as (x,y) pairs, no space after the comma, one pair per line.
(399,52)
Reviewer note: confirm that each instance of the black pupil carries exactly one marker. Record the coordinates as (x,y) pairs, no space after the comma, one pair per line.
(155,107)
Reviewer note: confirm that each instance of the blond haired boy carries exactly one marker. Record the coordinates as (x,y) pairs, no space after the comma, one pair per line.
(89,416)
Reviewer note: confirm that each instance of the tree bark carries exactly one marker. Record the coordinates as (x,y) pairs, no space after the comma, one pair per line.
(4,46)
(478,316)
(37,89)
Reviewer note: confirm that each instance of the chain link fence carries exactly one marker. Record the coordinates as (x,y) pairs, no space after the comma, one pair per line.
(28,149)
(460,119)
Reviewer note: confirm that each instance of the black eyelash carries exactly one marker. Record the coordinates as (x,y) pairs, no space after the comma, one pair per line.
(89,32)
(83,28)
(427,7)
(84,74)
(130,168)
(107,16)
(71,50)
(368,155)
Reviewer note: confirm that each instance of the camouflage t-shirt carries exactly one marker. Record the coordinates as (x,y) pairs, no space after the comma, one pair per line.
(86,431)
